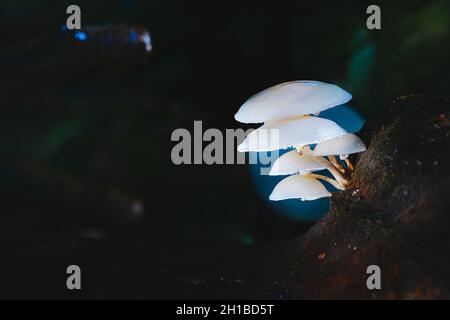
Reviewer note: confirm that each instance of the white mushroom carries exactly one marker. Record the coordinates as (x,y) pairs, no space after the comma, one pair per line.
(286,111)
(294,162)
(302,162)
(342,146)
(290,100)
(283,134)
(299,187)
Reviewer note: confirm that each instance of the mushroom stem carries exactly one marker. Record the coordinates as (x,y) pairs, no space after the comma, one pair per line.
(349,164)
(333,182)
(336,163)
(300,148)
(334,171)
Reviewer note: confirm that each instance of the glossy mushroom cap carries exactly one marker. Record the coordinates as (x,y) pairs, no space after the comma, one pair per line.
(299,187)
(276,135)
(291,100)
(341,146)
(293,162)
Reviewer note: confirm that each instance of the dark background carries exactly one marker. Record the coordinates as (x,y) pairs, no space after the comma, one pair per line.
(83,153)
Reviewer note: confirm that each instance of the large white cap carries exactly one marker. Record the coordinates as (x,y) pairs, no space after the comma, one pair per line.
(291,133)
(345,145)
(290,100)
(299,187)
(293,162)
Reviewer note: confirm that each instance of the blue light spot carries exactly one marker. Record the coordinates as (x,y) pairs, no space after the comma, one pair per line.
(80,35)
(64,28)
(344,116)
(133,36)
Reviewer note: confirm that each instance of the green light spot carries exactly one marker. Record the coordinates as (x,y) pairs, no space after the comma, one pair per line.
(247,240)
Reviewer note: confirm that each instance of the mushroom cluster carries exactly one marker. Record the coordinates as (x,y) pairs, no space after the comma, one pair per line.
(290,112)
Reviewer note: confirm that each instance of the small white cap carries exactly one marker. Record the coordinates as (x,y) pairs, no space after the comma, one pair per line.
(299,187)
(342,146)
(290,100)
(293,162)
(291,133)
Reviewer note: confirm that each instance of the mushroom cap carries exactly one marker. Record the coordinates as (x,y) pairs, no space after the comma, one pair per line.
(298,186)
(293,162)
(342,146)
(283,134)
(290,100)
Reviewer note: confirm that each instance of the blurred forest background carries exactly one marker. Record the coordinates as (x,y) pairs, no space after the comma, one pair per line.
(86,167)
